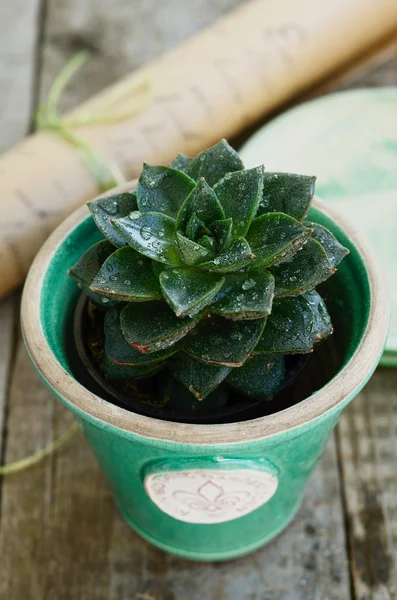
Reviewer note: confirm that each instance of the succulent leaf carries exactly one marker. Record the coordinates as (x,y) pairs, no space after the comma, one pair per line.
(239,194)
(334,250)
(121,352)
(214,163)
(274,238)
(91,261)
(222,231)
(287,193)
(88,265)
(223,342)
(322,325)
(245,296)
(179,397)
(188,291)
(207,242)
(153,326)
(150,234)
(202,202)
(309,267)
(162,190)
(115,372)
(259,377)
(127,276)
(200,378)
(191,253)
(195,228)
(236,257)
(112,207)
(180,162)
(295,325)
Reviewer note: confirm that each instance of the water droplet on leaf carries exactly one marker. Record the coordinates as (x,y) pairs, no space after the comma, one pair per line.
(146,233)
(248,284)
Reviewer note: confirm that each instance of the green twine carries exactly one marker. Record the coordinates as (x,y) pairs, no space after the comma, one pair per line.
(105,172)
(36,457)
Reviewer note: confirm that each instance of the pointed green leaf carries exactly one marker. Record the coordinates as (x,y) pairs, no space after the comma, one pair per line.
(208,243)
(112,207)
(127,276)
(333,249)
(222,231)
(153,326)
(163,190)
(178,397)
(287,193)
(214,163)
(87,267)
(237,256)
(239,194)
(151,234)
(195,228)
(200,378)
(191,253)
(202,202)
(322,325)
(260,377)
(120,351)
(223,342)
(188,291)
(309,267)
(245,296)
(295,325)
(180,162)
(274,238)
(158,268)
(115,372)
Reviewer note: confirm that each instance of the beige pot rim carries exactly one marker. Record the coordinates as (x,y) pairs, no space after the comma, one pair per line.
(343,386)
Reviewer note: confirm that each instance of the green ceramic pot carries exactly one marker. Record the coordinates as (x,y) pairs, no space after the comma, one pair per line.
(206,492)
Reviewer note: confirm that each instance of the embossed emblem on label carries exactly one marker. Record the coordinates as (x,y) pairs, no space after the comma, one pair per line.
(210,495)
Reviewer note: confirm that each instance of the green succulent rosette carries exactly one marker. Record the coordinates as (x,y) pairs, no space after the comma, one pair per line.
(209,270)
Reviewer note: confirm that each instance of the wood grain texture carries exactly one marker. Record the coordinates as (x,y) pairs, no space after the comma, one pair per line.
(61,536)
(19,30)
(7,329)
(367,440)
(121,35)
(18,38)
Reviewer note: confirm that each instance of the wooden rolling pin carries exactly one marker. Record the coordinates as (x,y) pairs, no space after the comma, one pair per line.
(212,86)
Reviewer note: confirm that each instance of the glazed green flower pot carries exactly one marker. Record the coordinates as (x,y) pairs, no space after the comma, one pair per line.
(206,492)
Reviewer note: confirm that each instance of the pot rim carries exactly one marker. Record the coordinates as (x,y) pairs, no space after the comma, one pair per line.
(340,388)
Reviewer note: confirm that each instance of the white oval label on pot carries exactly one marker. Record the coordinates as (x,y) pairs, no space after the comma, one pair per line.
(210,495)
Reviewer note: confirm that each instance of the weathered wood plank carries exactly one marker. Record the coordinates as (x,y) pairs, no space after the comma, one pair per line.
(367,439)
(62,538)
(122,35)
(368,454)
(18,37)
(7,327)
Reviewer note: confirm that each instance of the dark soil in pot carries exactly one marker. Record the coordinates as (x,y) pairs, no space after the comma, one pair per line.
(305,374)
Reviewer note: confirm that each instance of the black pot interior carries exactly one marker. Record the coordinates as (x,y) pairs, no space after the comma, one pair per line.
(305,374)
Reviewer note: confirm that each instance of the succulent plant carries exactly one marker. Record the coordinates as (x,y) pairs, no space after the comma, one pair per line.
(209,270)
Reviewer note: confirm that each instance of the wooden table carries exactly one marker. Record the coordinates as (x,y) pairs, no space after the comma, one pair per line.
(61,537)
